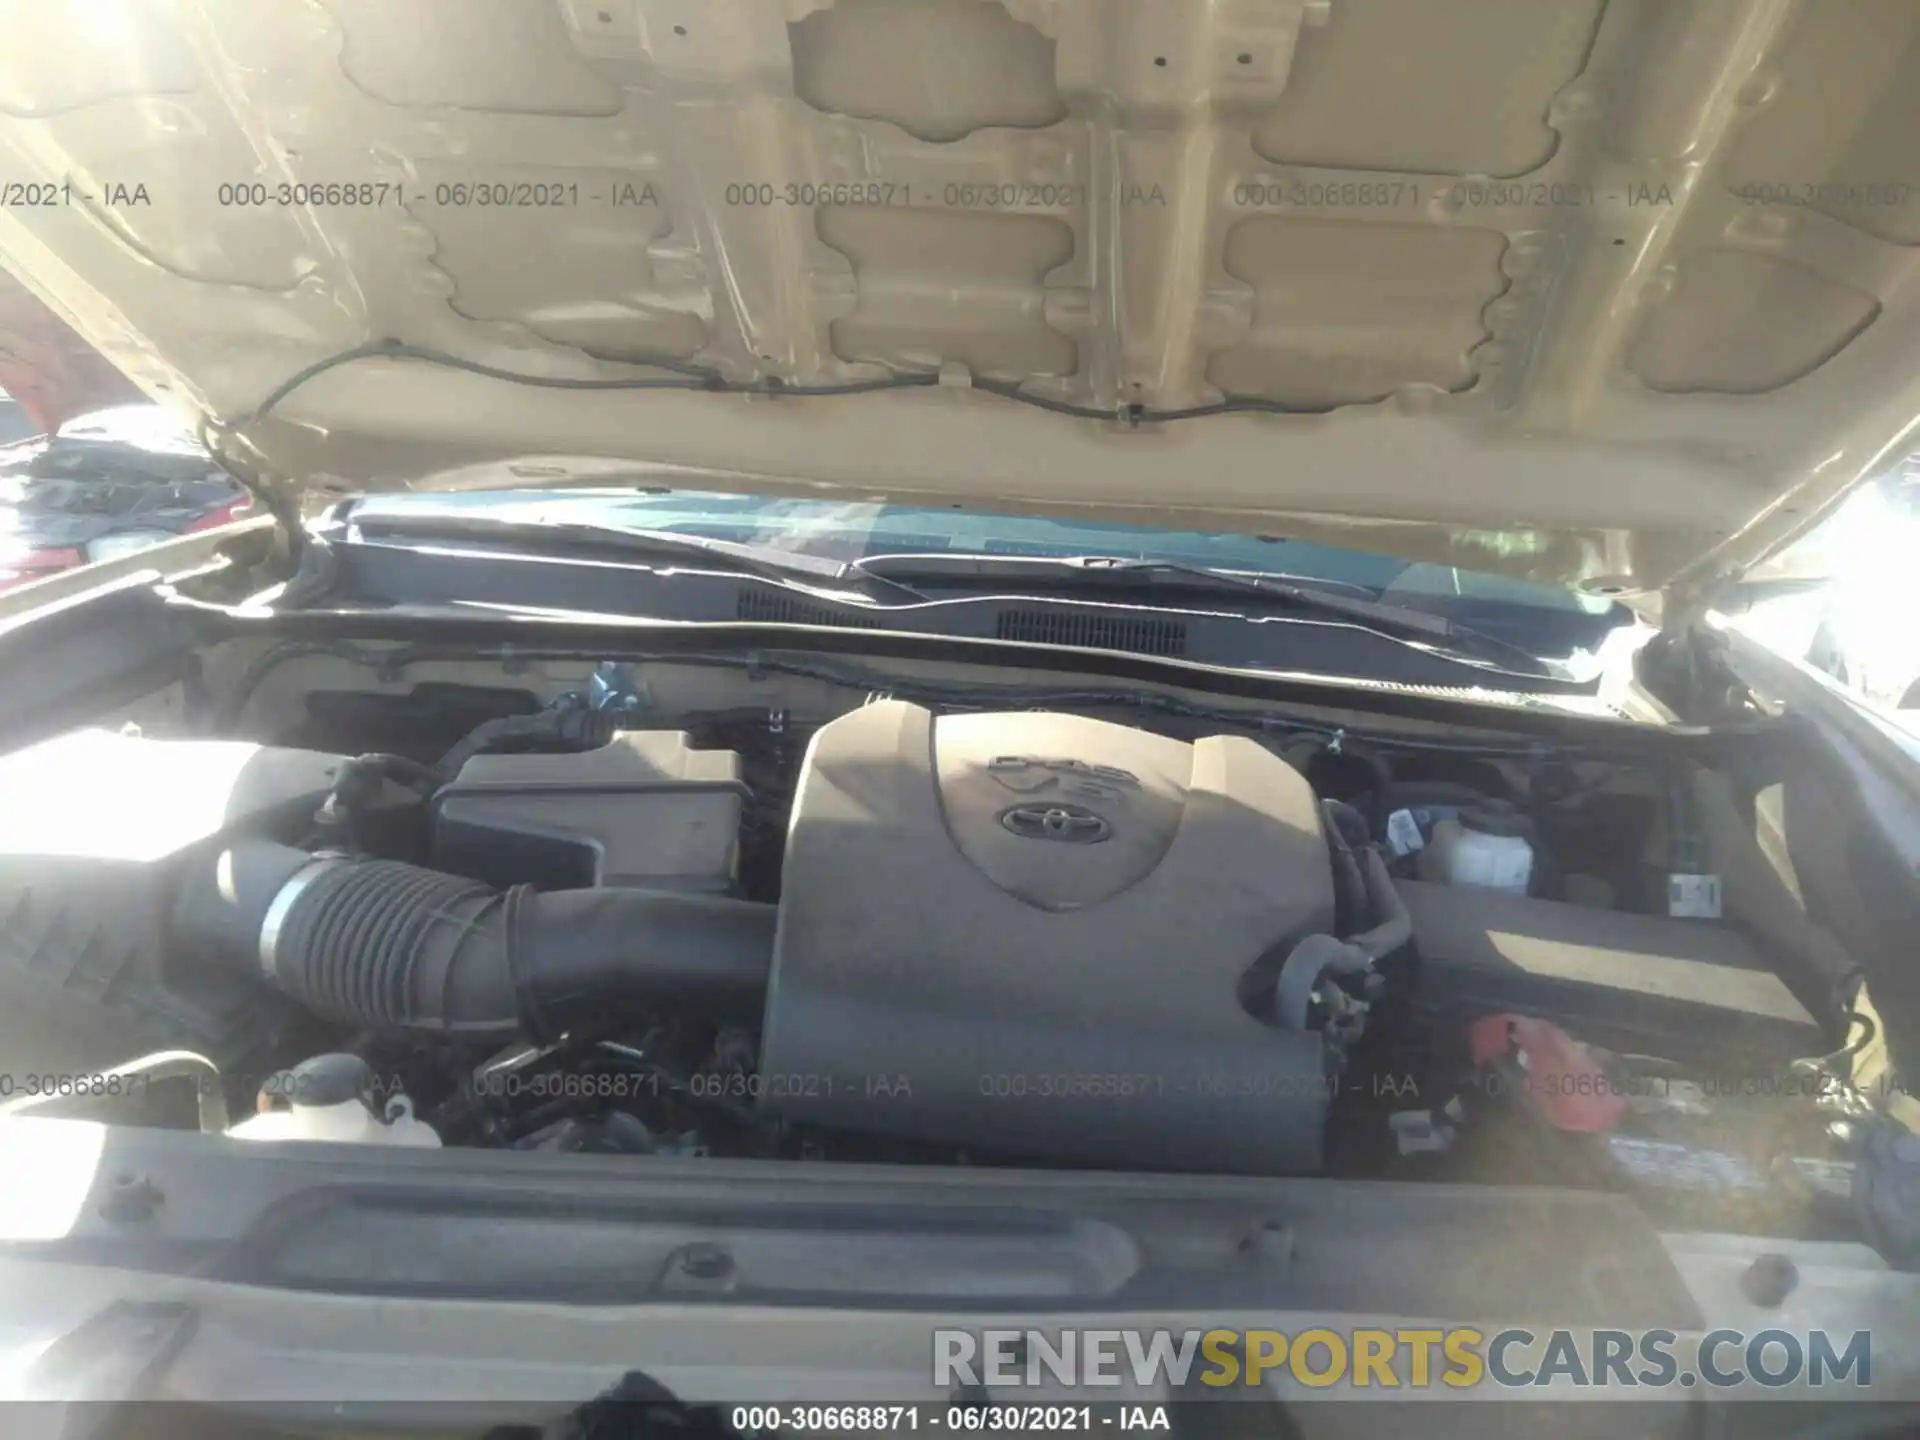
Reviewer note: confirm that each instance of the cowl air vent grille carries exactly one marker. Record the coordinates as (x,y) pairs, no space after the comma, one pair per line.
(1142,634)
(786,610)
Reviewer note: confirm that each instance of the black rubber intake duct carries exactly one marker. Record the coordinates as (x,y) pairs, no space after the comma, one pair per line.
(389,945)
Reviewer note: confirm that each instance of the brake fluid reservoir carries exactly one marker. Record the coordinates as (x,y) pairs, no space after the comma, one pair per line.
(1485,847)
(332,1097)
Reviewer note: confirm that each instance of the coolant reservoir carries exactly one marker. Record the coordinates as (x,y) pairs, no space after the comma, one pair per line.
(332,1097)
(1485,847)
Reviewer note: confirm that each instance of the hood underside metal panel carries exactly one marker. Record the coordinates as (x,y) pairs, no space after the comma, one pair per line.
(1611,291)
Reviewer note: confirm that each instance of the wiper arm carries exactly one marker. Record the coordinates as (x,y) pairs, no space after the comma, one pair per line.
(575,537)
(1126,573)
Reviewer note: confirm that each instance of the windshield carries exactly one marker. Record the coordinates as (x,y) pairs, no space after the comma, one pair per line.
(1549,622)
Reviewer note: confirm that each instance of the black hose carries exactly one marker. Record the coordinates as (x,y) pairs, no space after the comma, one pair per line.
(1322,759)
(359,778)
(1392,922)
(382,944)
(1349,822)
(562,730)
(1346,836)
(342,820)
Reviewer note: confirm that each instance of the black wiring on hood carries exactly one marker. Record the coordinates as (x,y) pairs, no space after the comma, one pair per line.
(684,375)
(681,375)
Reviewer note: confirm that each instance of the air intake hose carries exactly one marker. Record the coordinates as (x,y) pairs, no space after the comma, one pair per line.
(388,945)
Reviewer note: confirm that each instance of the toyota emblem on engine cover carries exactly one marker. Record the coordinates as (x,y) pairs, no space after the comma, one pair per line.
(1069,824)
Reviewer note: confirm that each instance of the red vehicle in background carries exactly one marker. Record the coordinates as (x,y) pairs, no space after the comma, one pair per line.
(83,476)
(104,485)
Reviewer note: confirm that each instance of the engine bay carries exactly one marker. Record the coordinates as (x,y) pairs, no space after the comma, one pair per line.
(926,931)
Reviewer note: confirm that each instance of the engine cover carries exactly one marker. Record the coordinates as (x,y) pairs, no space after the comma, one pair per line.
(1025,933)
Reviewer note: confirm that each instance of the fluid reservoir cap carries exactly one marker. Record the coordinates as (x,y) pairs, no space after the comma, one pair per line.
(331,1079)
(1495,817)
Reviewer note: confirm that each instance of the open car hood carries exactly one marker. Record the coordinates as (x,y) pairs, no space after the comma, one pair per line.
(1611,292)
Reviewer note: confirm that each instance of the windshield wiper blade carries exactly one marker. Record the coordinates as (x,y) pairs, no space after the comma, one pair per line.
(574,537)
(1401,622)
